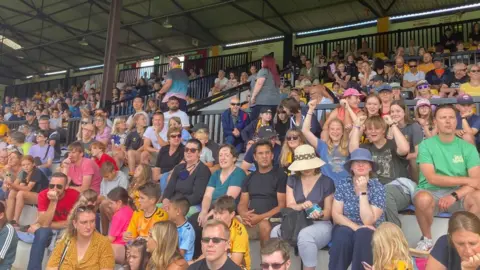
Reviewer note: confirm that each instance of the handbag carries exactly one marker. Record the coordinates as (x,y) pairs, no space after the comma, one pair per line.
(64,254)
(37,160)
(292,223)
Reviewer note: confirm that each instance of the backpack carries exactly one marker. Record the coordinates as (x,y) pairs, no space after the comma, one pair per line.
(292,223)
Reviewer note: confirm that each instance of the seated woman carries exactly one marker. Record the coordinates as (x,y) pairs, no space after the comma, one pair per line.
(42,152)
(168,157)
(188,180)
(25,189)
(265,119)
(424,117)
(341,75)
(309,190)
(99,156)
(293,139)
(358,207)
(373,106)
(81,246)
(176,122)
(232,81)
(162,243)
(243,78)
(103,131)
(459,248)
(119,134)
(220,83)
(141,176)
(134,142)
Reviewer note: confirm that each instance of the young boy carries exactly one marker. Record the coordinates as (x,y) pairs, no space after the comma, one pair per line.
(111,180)
(177,210)
(142,220)
(224,210)
(206,155)
(122,213)
(8,241)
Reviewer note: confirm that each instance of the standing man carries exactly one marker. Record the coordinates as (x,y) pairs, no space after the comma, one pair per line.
(234,120)
(176,84)
(275,254)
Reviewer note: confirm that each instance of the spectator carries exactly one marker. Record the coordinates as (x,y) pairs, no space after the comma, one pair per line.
(169,156)
(88,138)
(263,193)
(102,130)
(441,187)
(474,37)
(142,175)
(54,205)
(378,80)
(308,74)
(220,83)
(411,78)
(421,52)
(7,113)
(439,76)
(252,129)
(193,74)
(396,91)
(275,254)
(163,244)
(119,135)
(13,167)
(188,180)
(232,81)
(426,64)
(83,173)
(234,121)
(386,96)
(265,93)
(55,119)
(176,84)
(137,109)
(243,78)
(297,116)
(177,210)
(293,139)
(424,117)
(152,139)
(206,156)
(28,132)
(253,77)
(306,190)
(151,107)
(358,207)
(176,122)
(174,110)
(210,144)
(341,75)
(365,48)
(400,66)
(323,96)
(424,91)
(42,152)
(391,75)
(450,252)
(281,123)
(9,241)
(216,239)
(366,75)
(412,50)
(268,134)
(93,248)
(18,116)
(17,142)
(448,40)
(147,214)
(468,123)
(32,120)
(473,87)
(459,77)
(389,156)
(24,190)
(334,150)
(134,142)
(138,258)
(99,156)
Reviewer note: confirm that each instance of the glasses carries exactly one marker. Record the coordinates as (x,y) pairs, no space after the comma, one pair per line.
(279,112)
(90,130)
(463,69)
(85,208)
(273,265)
(423,86)
(84,122)
(413,66)
(99,120)
(292,138)
(175,136)
(235,104)
(52,186)
(215,240)
(475,71)
(190,150)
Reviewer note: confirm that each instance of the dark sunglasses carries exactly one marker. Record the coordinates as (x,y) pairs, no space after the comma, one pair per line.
(279,112)
(84,123)
(292,138)
(273,265)
(235,104)
(215,240)
(177,136)
(413,66)
(190,150)
(85,208)
(475,71)
(52,186)
(463,69)
(423,86)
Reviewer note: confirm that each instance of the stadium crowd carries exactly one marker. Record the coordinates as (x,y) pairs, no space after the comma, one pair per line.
(149,191)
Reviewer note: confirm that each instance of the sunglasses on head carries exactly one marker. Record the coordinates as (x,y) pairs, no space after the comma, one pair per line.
(235,104)
(52,186)
(291,138)
(190,150)
(215,240)
(273,265)
(423,86)
(85,208)
(175,136)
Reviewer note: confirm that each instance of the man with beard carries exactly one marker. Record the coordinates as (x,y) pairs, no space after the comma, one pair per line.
(174,110)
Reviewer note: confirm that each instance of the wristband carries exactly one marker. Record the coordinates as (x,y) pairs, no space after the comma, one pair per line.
(357,127)
(393,124)
(309,113)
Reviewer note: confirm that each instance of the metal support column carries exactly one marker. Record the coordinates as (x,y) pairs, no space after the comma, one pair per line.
(287,49)
(110,57)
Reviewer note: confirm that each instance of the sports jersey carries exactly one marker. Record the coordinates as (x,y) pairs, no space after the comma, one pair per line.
(239,241)
(186,240)
(140,224)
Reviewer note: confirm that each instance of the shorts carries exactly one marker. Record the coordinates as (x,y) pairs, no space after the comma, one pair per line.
(3,194)
(437,194)
(153,159)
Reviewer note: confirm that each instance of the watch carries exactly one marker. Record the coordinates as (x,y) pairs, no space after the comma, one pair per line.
(455,195)
(363,193)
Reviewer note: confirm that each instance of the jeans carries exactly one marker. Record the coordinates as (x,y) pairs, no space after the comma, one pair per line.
(237,142)
(43,237)
(255,110)
(349,246)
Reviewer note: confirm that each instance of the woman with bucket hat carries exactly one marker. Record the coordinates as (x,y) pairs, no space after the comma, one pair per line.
(358,207)
(310,191)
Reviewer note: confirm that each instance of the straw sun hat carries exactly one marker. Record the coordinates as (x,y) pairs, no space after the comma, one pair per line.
(305,159)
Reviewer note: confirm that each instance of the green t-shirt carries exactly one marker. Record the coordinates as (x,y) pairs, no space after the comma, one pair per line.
(234,179)
(449,159)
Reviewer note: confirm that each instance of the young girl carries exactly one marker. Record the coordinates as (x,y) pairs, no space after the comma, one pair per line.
(134,141)
(293,139)
(141,176)
(138,258)
(282,123)
(373,105)
(250,131)
(119,134)
(424,117)
(176,122)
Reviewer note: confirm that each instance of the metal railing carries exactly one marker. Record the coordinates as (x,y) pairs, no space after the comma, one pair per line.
(218,97)
(450,59)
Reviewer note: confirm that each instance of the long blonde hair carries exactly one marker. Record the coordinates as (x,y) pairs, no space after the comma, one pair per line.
(136,182)
(390,248)
(70,231)
(115,124)
(343,145)
(167,251)
(286,152)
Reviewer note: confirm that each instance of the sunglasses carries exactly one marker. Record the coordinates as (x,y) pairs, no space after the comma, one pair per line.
(235,104)
(292,138)
(190,150)
(279,112)
(52,186)
(175,136)
(413,66)
(423,86)
(84,122)
(215,240)
(475,71)
(85,208)
(273,265)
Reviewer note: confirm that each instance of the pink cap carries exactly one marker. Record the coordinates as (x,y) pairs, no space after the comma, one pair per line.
(422,102)
(351,92)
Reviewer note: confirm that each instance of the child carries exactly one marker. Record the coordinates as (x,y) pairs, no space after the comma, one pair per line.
(147,214)
(206,155)
(138,255)
(142,174)
(177,210)
(8,241)
(177,122)
(122,213)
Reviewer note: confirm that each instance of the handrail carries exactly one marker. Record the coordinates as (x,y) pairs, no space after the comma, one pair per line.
(192,108)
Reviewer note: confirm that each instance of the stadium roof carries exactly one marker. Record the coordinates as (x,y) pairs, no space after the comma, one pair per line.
(50,32)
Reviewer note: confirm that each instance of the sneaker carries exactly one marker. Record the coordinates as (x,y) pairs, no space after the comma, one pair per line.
(425,244)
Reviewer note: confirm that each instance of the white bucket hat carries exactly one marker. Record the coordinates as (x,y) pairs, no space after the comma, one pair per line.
(305,158)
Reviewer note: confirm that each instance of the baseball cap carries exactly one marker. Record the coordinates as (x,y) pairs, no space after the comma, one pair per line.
(437,59)
(351,92)
(422,102)
(383,87)
(395,85)
(421,82)
(378,78)
(198,126)
(266,110)
(31,113)
(266,133)
(465,99)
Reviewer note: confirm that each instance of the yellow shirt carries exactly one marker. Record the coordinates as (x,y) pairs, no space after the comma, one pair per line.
(239,241)
(140,225)
(99,255)
(473,91)
(403,70)
(425,67)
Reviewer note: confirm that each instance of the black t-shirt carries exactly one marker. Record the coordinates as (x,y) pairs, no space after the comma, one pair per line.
(55,136)
(455,83)
(215,148)
(40,179)
(262,189)
(133,141)
(190,186)
(202,265)
(166,162)
(446,254)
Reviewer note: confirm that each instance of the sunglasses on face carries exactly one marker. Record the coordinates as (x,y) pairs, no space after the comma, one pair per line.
(273,265)
(413,66)
(235,104)
(52,186)
(292,138)
(84,122)
(464,69)
(190,150)
(215,240)
(175,136)
(475,71)
(279,112)
(423,86)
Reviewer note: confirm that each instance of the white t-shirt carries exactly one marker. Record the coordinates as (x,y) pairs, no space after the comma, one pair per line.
(183,117)
(370,77)
(221,82)
(121,180)
(150,134)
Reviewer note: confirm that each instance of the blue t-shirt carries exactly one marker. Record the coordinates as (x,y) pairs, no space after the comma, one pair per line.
(473,121)
(179,82)
(236,178)
(345,193)
(186,240)
(334,162)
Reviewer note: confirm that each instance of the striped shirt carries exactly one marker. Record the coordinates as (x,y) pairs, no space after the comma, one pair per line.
(8,246)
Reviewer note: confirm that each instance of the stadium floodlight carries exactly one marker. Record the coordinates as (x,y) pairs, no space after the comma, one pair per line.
(316,31)
(10,43)
(91,67)
(426,13)
(253,41)
(55,72)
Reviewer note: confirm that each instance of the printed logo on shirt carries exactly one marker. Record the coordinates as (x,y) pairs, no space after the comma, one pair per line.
(457,159)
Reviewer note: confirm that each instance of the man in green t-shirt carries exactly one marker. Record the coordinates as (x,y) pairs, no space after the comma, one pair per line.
(449,173)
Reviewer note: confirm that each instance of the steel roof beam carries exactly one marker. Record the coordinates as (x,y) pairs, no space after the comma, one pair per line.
(279,15)
(256,17)
(374,11)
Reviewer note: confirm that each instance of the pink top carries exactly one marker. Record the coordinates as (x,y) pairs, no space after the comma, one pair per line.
(87,167)
(106,135)
(119,224)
